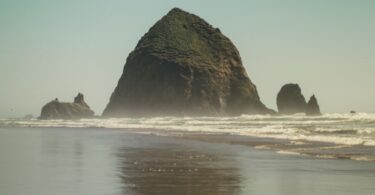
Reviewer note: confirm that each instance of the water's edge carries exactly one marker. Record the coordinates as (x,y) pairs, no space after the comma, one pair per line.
(340,136)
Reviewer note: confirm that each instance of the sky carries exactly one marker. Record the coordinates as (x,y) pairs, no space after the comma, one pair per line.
(52,48)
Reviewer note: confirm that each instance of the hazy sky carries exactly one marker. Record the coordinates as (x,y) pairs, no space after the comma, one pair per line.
(54,49)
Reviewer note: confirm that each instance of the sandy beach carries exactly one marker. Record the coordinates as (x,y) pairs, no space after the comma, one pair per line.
(106,161)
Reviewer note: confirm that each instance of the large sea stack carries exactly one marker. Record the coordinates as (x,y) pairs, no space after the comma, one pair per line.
(65,110)
(184,66)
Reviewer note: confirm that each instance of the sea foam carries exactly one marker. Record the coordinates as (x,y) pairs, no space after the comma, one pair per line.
(348,129)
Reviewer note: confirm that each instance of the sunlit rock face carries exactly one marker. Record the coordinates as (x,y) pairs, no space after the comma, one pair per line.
(184,66)
(64,110)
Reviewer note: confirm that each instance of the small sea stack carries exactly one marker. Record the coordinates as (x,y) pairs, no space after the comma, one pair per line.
(312,108)
(290,100)
(64,110)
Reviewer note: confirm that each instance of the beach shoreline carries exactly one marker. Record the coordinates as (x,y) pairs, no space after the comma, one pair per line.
(316,149)
(119,161)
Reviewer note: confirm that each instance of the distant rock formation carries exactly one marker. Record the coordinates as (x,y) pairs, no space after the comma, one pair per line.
(63,110)
(290,100)
(184,66)
(312,108)
(79,99)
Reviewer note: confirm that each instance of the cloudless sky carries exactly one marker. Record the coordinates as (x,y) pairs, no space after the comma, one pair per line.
(52,49)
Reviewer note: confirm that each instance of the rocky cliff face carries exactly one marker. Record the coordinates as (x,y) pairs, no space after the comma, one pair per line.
(184,66)
(312,108)
(290,100)
(63,110)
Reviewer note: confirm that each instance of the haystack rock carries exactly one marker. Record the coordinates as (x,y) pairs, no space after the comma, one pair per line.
(184,66)
(63,110)
(312,108)
(290,100)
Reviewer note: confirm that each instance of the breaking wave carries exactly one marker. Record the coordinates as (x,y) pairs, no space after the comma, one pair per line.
(347,129)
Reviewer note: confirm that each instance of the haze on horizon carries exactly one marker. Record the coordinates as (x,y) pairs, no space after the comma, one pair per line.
(55,49)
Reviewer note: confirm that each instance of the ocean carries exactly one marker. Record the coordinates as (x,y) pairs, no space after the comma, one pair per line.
(347,136)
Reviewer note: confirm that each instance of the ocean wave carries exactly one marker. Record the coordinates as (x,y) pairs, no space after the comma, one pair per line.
(349,129)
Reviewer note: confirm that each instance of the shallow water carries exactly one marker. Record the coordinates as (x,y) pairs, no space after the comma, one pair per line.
(44,161)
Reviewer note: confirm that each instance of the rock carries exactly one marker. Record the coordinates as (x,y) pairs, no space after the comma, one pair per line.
(63,110)
(312,108)
(184,66)
(290,100)
(79,99)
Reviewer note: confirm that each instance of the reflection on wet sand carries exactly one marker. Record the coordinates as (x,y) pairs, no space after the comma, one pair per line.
(170,171)
(112,162)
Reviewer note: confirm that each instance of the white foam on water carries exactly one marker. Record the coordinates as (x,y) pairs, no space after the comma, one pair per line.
(288,152)
(347,129)
(363,158)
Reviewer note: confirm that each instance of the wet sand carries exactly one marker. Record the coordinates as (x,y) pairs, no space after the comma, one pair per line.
(103,161)
(296,147)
